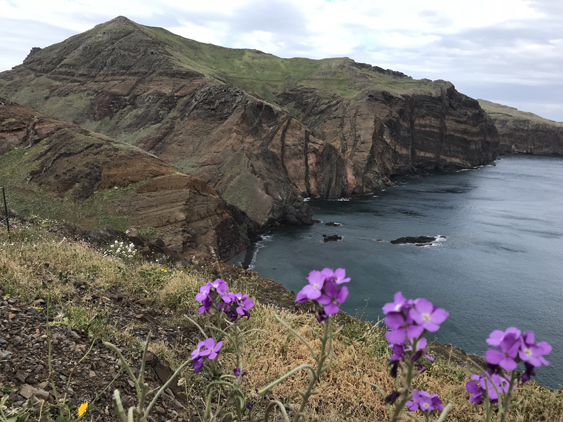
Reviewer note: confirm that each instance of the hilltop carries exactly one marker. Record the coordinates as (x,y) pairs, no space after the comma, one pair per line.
(264,131)
(523,132)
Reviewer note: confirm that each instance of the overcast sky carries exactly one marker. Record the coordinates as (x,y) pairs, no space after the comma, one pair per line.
(506,51)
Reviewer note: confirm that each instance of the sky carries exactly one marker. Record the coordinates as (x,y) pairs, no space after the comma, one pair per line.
(505,51)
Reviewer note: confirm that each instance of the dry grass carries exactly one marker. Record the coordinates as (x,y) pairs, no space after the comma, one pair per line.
(360,349)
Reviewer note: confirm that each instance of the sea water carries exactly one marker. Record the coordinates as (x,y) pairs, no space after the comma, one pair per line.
(497,264)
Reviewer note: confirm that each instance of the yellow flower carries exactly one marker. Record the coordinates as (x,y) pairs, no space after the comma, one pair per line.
(82,409)
(165,271)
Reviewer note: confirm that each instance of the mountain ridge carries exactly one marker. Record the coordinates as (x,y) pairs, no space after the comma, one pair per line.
(264,131)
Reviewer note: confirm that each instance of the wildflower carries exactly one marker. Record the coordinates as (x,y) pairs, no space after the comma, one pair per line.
(403,328)
(337,275)
(220,286)
(506,356)
(238,374)
(396,306)
(424,401)
(249,406)
(428,316)
(313,290)
(334,295)
(478,389)
(206,348)
(532,353)
(324,288)
(82,409)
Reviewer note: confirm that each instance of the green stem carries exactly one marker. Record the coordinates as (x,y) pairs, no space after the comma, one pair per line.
(506,399)
(327,338)
(444,413)
(286,376)
(400,407)
(165,386)
(273,404)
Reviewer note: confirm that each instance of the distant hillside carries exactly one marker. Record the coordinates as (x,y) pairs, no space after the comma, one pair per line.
(61,171)
(522,132)
(263,131)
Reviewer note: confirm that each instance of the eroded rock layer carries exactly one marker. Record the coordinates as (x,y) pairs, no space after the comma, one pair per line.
(59,169)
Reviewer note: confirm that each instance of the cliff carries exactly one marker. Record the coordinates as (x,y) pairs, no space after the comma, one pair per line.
(263,131)
(59,170)
(524,133)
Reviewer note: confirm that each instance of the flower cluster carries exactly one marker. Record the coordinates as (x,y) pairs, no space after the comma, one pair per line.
(424,401)
(235,305)
(121,250)
(410,319)
(205,349)
(492,383)
(325,288)
(510,348)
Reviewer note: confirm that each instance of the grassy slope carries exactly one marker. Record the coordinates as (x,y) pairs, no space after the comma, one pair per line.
(266,75)
(502,112)
(361,352)
(30,199)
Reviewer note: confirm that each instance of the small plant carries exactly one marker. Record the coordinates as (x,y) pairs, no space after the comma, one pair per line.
(122,251)
(148,231)
(409,321)
(495,386)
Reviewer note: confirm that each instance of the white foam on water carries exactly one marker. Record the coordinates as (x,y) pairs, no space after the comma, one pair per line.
(267,238)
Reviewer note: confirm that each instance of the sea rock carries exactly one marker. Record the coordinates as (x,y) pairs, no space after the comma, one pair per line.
(331,238)
(333,224)
(417,240)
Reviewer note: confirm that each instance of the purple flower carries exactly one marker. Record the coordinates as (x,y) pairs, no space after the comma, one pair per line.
(402,328)
(427,315)
(533,353)
(528,373)
(206,348)
(497,336)
(203,292)
(198,364)
(397,305)
(332,297)
(505,358)
(391,398)
(478,390)
(238,374)
(313,290)
(424,401)
(339,275)
(320,315)
(206,305)
(244,304)
(249,406)
(220,286)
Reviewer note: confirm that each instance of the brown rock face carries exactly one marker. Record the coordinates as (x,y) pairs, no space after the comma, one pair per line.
(342,129)
(84,171)
(524,133)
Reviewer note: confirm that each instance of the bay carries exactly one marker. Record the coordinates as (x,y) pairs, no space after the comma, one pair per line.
(500,264)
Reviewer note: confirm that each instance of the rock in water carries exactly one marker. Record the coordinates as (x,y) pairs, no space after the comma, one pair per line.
(331,238)
(419,239)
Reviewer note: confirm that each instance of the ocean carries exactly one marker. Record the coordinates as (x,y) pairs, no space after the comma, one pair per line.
(497,264)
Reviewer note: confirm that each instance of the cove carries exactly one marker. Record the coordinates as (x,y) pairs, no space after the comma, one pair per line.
(500,264)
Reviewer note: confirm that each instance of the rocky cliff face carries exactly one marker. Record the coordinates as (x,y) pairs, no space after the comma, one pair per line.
(263,131)
(524,133)
(53,168)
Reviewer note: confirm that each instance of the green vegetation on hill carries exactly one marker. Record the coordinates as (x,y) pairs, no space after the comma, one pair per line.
(502,112)
(266,75)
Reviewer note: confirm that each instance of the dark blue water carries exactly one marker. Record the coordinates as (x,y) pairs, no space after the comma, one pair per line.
(501,264)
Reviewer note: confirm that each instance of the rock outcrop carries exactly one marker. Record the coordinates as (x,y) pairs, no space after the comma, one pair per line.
(263,131)
(524,133)
(53,168)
